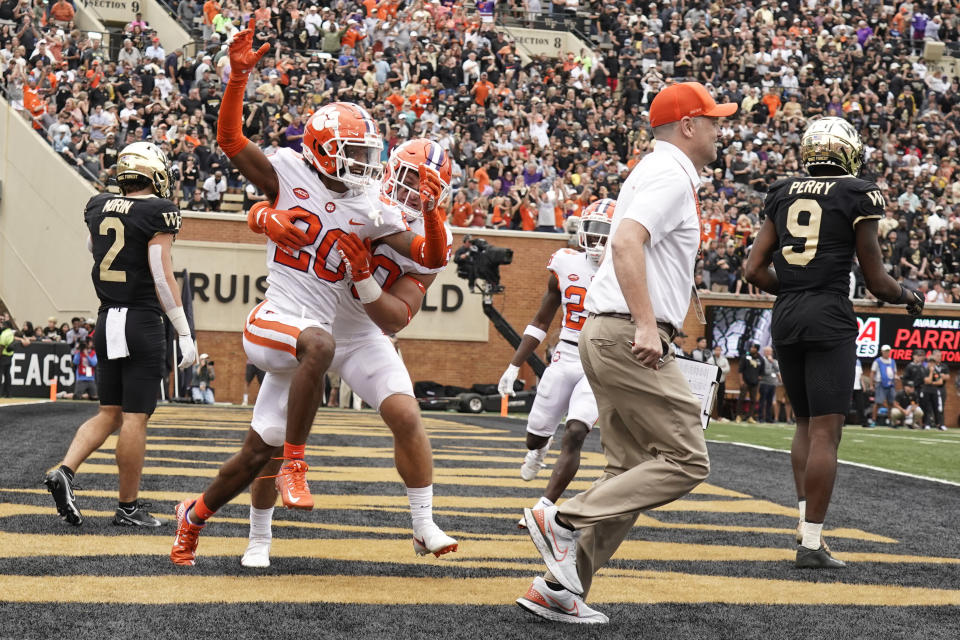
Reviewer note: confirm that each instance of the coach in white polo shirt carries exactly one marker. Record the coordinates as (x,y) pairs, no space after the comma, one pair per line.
(649,420)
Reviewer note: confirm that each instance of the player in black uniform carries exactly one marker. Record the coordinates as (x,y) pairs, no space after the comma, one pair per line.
(811,229)
(130,239)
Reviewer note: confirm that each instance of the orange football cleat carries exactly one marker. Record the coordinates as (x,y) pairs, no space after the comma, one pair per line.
(292,485)
(184,550)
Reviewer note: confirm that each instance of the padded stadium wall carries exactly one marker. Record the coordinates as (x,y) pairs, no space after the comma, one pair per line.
(44,263)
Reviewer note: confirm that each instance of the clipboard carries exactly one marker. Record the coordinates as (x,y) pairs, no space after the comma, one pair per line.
(704,380)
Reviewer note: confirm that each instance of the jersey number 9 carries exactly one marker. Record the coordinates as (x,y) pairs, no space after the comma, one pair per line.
(808,231)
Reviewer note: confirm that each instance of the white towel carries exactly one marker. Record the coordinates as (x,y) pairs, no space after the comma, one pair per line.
(117,333)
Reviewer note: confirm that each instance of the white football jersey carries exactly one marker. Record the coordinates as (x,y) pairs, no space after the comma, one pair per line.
(388,266)
(574,271)
(311,282)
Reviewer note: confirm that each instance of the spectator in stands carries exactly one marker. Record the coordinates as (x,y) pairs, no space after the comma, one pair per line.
(213,189)
(76,333)
(62,13)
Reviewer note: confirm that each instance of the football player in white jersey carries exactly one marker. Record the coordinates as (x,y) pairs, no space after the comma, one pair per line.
(318,198)
(563,389)
(367,361)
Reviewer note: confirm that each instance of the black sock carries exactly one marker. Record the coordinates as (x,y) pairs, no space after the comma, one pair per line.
(559,522)
(67,470)
(555,586)
(129,506)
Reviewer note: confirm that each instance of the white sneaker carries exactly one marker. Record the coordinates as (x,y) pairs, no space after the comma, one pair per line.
(430,539)
(533,461)
(542,502)
(557,545)
(257,555)
(559,606)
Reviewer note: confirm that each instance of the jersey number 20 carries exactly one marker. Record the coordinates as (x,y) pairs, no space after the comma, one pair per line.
(302,260)
(808,231)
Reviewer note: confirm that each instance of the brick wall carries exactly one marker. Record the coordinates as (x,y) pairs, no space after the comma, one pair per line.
(466,363)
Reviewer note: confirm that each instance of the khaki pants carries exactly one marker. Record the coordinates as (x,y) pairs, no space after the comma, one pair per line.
(651,436)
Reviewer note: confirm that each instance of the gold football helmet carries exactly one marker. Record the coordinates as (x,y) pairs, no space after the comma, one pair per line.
(832,141)
(145,159)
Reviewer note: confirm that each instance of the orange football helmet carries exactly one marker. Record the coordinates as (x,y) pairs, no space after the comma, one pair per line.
(595,227)
(401,180)
(342,142)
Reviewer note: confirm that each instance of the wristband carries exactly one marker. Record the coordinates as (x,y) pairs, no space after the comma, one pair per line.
(179,321)
(368,290)
(534,332)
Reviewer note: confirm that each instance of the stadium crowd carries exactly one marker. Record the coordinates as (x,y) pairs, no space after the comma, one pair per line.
(535,139)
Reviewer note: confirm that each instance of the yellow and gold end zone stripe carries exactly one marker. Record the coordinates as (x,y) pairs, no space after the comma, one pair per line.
(380,547)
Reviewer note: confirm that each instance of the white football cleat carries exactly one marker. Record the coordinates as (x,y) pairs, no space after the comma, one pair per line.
(533,461)
(559,606)
(257,555)
(557,545)
(430,539)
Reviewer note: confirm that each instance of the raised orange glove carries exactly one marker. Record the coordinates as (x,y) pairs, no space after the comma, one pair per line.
(433,250)
(431,186)
(242,57)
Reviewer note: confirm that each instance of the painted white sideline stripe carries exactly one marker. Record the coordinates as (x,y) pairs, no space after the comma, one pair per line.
(852,464)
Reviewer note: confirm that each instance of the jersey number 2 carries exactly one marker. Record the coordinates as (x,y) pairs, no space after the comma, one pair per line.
(106,273)
(808,231)
(575,316)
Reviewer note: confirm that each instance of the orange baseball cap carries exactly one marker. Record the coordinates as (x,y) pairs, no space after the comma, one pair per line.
(686,99)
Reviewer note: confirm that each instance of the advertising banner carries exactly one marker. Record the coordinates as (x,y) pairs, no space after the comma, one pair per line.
(734,327)
(34,367)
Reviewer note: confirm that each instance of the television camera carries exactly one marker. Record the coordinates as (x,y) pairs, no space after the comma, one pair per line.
(479,261)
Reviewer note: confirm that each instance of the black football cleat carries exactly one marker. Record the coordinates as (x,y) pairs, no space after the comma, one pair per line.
(61,488)
(139,517)
(817,559)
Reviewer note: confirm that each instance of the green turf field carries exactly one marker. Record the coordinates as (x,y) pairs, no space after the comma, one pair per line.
(924,453)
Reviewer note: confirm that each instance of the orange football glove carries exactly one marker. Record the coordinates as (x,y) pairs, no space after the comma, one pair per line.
(257,216)
(430,189)
(430,250)
(242,57)
(278,226)
(357,254)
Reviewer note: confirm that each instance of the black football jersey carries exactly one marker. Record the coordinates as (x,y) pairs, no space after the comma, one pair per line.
(815,220)
(120,228)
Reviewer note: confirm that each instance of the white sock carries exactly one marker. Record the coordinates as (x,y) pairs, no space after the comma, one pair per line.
(260,521)
(544,502)
(802,506)
(244,399)
(811,534)
(421,504)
